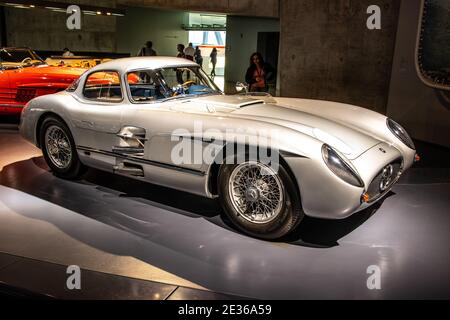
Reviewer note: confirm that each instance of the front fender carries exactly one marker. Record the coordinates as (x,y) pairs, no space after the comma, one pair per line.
(34,111)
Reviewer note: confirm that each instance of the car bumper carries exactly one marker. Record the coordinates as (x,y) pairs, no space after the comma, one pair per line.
(10,109)
(325,195)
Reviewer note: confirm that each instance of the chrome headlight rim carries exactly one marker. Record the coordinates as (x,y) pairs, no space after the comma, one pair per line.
(400,132)
(327,153)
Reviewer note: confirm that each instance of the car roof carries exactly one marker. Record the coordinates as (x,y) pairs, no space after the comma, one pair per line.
(127,64)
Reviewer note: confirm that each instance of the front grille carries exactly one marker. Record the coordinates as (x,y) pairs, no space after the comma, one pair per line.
(25,95)
(384,180)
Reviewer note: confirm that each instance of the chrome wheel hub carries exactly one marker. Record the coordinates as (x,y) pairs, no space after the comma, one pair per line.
(58,147)
(252,194)
(386,177)
(256,192)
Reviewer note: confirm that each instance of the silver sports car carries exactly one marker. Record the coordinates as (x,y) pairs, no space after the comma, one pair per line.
(270,161)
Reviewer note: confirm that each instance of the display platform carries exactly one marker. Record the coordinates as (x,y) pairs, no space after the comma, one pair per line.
(116,226)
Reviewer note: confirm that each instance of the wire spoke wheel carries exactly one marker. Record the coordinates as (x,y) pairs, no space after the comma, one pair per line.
(58,147)
(256,192)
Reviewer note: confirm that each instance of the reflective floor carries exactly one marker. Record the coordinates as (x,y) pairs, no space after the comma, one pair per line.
(119,226)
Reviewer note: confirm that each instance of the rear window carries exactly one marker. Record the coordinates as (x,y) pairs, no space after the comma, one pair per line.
(103,86)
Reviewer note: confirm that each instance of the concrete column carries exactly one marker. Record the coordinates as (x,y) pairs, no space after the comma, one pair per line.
(3,40)
(327,52)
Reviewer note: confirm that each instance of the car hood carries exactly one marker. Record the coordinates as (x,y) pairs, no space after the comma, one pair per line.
(51,71)
(43,76)
(347,140)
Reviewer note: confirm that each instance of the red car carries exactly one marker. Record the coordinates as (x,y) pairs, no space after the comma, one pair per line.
(24,75)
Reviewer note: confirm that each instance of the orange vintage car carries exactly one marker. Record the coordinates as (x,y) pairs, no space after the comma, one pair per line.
(24,76)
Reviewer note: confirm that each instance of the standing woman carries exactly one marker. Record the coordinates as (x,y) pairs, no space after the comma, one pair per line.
(213,57)
(259,74)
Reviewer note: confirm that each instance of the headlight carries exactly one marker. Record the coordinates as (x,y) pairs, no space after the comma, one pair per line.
(340,167)
(400,133)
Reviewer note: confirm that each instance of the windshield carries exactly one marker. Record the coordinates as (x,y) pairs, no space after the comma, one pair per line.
(173,83)
(15,58)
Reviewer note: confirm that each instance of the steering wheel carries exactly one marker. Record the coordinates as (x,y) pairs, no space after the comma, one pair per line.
(182,88)
(27,59)
(187,83)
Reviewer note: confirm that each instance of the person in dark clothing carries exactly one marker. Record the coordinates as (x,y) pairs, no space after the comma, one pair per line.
(259,74)
(198,56)
(213,57)
(147,50)
(180,54)
(180,51)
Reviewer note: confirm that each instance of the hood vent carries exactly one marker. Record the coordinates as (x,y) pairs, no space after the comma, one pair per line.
(250,103)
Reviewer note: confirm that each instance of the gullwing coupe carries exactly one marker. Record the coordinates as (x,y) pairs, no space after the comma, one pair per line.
(143,117)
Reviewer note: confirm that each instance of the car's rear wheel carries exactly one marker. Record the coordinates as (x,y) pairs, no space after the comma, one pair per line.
(258,200)
(58,148)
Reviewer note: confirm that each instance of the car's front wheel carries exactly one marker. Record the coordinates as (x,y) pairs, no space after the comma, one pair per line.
(258,200)
(59,149)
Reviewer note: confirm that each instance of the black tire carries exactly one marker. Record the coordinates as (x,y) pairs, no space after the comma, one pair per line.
(288,218)
(74,168)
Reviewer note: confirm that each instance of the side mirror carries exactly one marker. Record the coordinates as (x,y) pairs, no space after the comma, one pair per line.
(241,87)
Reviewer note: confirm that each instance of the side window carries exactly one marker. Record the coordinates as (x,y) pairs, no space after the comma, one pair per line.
(103,86)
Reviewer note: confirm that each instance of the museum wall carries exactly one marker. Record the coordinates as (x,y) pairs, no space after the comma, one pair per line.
(265,8)
(160,26)
(43,29)
(242,36)
(422,110)
(327,52)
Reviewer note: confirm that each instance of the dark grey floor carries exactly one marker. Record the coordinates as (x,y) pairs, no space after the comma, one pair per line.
(407,236)
(28,278)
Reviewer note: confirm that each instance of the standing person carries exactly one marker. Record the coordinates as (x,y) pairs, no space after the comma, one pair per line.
(189,52)
(180,54)
(198,56)
(213,57)
(259,74)
(180,51)
(147,50)
(67,53)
